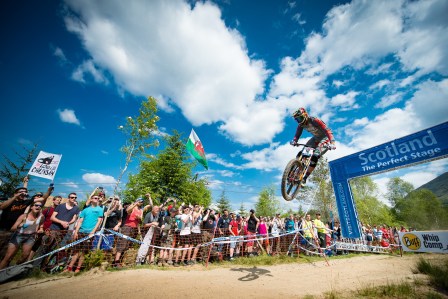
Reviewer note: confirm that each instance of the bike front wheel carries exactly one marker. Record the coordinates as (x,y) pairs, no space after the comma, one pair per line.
(290,180)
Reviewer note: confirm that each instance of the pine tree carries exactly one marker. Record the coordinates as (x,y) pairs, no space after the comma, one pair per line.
(223,203)
(243,210)
(13,170)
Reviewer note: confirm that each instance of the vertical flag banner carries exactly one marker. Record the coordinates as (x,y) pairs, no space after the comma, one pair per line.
(194,147)
(45,166)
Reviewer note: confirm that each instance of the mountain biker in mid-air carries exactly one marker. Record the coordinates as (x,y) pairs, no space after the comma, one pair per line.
(322,136)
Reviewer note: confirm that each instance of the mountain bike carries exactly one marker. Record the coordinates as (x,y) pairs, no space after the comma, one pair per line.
(296,170)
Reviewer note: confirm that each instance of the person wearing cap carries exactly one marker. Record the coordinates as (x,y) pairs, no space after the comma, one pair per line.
(151,223)
(321,230)
(167,238)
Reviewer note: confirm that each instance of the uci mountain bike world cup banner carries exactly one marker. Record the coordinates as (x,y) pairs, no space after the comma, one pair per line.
(46,165)
(424,146)
(430,241)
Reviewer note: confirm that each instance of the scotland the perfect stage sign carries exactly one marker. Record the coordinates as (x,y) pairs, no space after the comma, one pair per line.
(423,146)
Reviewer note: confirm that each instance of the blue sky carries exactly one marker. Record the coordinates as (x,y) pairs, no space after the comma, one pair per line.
(72,71)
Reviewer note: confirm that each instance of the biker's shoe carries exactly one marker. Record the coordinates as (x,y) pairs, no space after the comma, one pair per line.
(303,183)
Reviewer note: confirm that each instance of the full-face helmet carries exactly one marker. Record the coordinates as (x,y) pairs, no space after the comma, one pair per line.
(301,116)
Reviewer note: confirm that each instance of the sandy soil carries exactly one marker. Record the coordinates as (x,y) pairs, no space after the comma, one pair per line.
(288,280)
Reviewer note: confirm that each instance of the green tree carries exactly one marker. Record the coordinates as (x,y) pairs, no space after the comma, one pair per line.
(169,174)
(321,191)
(14,170)
(422,209)
(370,209)
(397,189)
(243,210)
(139,131)
(223,203)
(267,204)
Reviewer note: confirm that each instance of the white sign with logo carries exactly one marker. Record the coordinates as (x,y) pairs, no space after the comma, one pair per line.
(428,241)
(45,165)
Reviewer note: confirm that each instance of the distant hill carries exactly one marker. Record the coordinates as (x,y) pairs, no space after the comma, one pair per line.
(438,186)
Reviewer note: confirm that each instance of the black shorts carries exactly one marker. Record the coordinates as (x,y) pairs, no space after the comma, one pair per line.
(185,240)
(196,239)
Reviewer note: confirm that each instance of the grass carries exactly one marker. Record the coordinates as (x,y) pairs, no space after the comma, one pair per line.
(438,274)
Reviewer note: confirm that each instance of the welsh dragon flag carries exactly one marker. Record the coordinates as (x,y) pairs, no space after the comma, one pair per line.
(194,147)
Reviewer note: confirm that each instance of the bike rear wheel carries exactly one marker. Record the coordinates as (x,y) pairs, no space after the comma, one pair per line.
(290,180)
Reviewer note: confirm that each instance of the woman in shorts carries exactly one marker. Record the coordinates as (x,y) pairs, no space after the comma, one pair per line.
(26,228)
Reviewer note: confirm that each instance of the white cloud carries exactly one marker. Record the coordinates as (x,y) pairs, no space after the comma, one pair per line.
(68,116)
(60,55)
(211,76)
(214,79)
(218,160)
(345,101)
(380,84)
(430,103)
(98,178)
(88,68)
(356,34)
(389,100)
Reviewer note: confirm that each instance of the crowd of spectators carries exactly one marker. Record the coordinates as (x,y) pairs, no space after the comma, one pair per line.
(169,234)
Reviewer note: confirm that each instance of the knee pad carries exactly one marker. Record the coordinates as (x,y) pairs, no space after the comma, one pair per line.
(314,160)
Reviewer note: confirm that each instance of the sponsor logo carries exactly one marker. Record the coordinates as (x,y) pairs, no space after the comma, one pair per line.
(411,241)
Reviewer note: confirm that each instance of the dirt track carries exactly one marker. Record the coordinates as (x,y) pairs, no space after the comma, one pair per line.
(289,280)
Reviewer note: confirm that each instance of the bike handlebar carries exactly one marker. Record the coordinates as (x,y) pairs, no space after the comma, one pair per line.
(299,144)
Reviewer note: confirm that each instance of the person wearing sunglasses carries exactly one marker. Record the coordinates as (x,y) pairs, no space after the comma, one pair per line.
(65,214)
(25,230)
(89,222)
(322,137)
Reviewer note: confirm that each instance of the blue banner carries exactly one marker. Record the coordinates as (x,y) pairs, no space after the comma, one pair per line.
(423,146)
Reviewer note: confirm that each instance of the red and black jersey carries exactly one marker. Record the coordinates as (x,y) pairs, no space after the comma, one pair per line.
(317,128)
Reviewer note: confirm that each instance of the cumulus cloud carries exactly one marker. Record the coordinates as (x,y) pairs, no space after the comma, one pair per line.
(88,68)
(68,116)
(98,178)
(214,79)
(211,75)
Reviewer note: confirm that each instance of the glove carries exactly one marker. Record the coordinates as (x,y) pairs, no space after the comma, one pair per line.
(332,146)
(293,142)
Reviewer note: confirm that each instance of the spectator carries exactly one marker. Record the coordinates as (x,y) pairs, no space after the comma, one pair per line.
(252,227)
(223,227)
(114,215)
(16,205)
(46,226)
(89,222)
(25,227)
(289,229)
(151,223)
(65,214)
(321,230)
(130,228)
(185,235)
(276,226)
(369,235)
(167,239)
(263,231)
(196,234)
(234,230)
(308,230)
